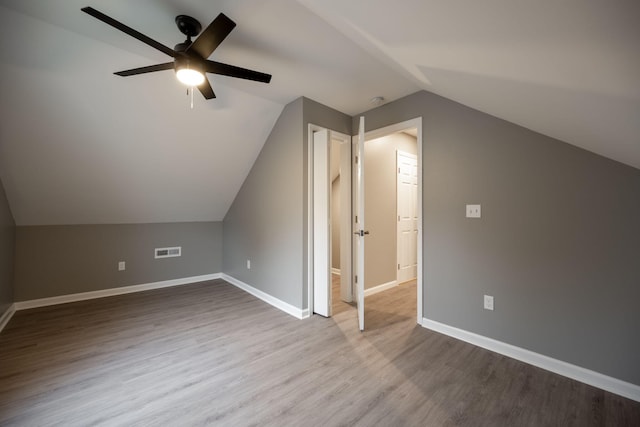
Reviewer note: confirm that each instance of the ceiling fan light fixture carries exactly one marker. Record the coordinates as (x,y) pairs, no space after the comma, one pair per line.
(190,61)
(189,76)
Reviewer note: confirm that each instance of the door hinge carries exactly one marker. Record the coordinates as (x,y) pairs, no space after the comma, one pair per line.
(356,219)
(398,217)
(398,266)
(356,159)
(356,278)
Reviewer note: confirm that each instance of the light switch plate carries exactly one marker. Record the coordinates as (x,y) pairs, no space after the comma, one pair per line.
(121,266)
(473,211)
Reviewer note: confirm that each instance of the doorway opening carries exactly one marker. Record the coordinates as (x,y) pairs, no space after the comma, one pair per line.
(391,208)
(392,199)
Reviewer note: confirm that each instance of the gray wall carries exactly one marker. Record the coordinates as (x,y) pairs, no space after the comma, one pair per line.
(267,222)
(60,260)
(557,244)
(7,245)
(264,223)
(380,200)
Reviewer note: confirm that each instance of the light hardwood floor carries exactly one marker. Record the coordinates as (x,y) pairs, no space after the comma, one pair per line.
(211,354)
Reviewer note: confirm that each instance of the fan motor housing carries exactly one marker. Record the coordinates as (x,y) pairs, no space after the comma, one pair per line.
(181,47)
(188,26)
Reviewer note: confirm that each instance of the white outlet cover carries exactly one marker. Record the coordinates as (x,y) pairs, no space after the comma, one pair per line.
(121,265)
(488,302)
(248,264)
(473,211)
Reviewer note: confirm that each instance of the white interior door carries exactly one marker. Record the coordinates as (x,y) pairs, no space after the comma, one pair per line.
(346,287)
(407,205)
(359,229)
(321,224)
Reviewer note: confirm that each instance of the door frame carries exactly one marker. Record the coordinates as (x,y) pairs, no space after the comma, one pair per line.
(372,134)
(345,271)
(387,130)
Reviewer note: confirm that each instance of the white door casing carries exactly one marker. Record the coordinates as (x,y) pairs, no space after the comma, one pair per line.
(360,223)
(321,225)
(319,253)
(346,288)
(407,216)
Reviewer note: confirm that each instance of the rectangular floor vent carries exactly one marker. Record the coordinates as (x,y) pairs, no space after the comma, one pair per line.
(168,252)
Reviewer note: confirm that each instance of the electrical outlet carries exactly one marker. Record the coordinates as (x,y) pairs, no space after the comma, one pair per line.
(121,266)
(473,211)
(488,302)
(248,264)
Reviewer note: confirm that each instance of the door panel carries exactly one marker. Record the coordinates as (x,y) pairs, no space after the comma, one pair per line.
(407,205)
(321,226)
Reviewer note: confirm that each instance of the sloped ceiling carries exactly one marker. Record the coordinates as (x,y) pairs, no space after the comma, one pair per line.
(80,145)
(569,69)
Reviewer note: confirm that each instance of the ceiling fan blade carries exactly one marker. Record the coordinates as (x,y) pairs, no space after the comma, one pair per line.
(206,90)
(148,69)
(212,36)
(233,71)
(128,30)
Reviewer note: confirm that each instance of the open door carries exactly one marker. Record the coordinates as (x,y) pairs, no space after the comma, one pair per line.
(359,229)
(321,230)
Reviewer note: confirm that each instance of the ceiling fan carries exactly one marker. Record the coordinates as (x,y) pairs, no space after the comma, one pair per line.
(190,58)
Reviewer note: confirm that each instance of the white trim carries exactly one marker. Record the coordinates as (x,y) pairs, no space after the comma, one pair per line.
(311,128)
(420,281)
(346,221)
(277,303)
(380,288)
(6,316)
(587,376)
(335,271)
(321,223)
(63,299)
(310,274)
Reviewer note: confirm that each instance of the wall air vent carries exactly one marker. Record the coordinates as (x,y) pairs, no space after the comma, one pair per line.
(168,252)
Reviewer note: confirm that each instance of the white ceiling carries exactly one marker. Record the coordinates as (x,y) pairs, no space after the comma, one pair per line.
(80,145)
(569,69)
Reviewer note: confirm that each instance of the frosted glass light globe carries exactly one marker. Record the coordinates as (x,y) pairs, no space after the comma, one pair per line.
(190,77)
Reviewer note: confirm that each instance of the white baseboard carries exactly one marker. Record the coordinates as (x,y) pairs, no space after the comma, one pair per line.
(335,271)
(380,288)
(6,316)
(82,296)
(587,376)
(277,303)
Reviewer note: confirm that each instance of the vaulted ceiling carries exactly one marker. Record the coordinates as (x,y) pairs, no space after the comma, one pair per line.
(80,145)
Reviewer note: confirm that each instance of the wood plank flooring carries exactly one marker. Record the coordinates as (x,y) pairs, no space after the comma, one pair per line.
(211,354)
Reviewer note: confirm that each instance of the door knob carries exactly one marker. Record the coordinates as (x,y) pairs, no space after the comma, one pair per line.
(361,232)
